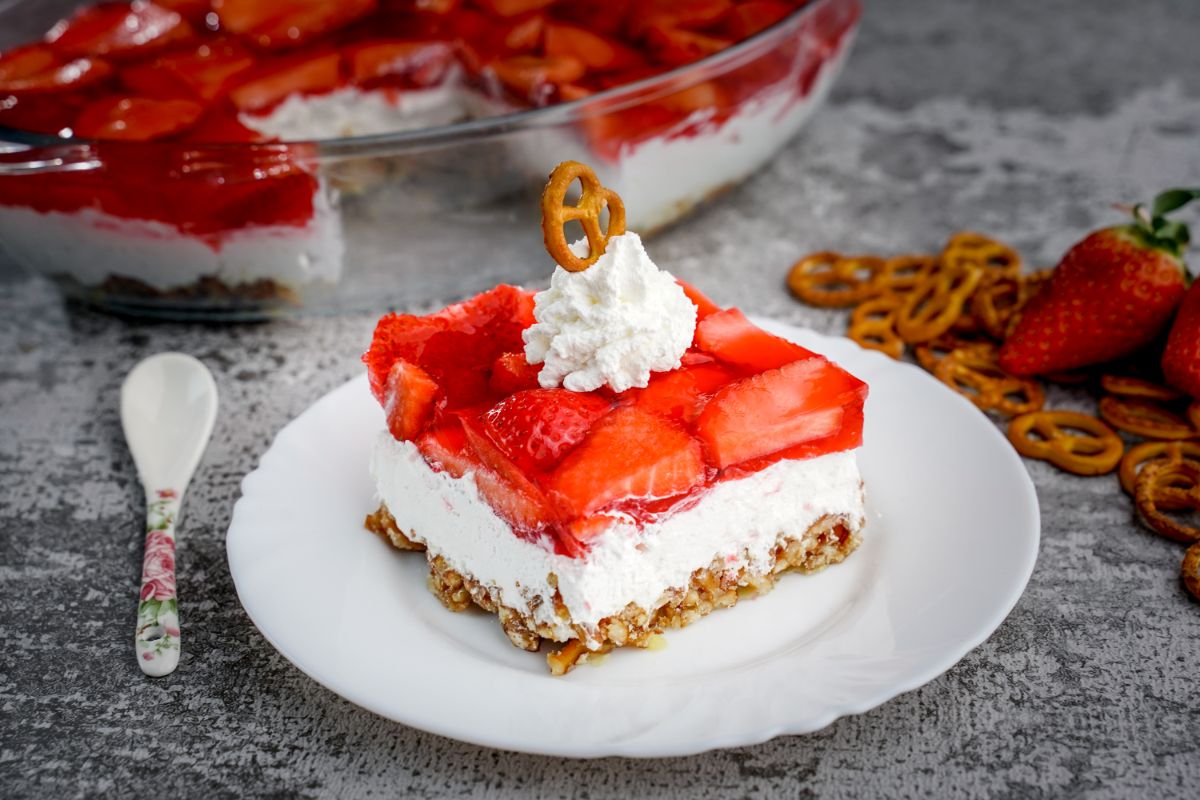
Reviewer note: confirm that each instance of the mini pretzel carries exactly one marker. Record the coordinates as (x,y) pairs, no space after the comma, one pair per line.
(1145,418)
(831,280)
(931,309)
(995,304)
(873,325)
(974,373)
(1136,387)
(1190,570)
(1095,452)
(902,274)
(592,202)
(974,250)
(1184,478)
(930,353)
(1148,452)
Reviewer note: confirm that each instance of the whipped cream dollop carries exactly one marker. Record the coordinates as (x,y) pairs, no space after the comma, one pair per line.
(613,323)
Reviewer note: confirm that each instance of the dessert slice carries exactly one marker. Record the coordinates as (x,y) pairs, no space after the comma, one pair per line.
(610,457)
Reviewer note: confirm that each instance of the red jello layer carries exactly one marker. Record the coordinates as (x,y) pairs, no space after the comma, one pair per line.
(551,461)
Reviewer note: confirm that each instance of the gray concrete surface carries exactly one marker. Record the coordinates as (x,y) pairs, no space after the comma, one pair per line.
(1023,119)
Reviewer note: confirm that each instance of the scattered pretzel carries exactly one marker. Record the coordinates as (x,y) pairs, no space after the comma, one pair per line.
(1095,452)
(1145,418)
(1126,386)
(1193,414)
(931,309)
(1190,570)
(873,325)
(831,280)
(1153,452)
(995,304)
(902,274)
(974,373)
(994,259)
(928,354)
(591,203)
(1184,479)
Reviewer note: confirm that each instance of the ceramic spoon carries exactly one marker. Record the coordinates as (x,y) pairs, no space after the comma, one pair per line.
(168,406)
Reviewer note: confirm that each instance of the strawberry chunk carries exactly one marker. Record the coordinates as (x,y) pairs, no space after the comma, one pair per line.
(506,488)
(536,428)
(410,396)
(524,35)
(446,449)
(598,53)
(511,373)
(746,19)
(631,455)
(681,394)
(458,346)
(118,29)
(418,64)
(310,75)
(676,47)
(36,69)
(704,306)
(270,24)
(847,437)
(534,77)
(511,8)
(778,409)
(137,119)
(732,338)
(689,14)
(208,70)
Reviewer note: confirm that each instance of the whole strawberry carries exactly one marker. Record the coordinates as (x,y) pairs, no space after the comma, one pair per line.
(1181,358)
(1111,294)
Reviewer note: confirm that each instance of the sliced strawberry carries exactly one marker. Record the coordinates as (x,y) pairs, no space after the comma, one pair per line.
(697,97)
(457,346)
(276,24)
(208,70)
(687,14)
(847,437)
(525,35)
(310,75)
(531,76)
(36,69)
(778,409)
(409,399)
(536,428)
(682,393)
(606,17)
(118,29)
(732,338)
(418,64)
(511,373)
(675,47)
(746,19)
(136,119)
(445,447)
(193,11)
(597,52)
(631,455)
(221,124)
(704,306)
(571,91)
(504,485)
(511,8)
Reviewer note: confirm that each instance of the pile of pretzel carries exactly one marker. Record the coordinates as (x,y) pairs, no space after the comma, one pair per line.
(954,310)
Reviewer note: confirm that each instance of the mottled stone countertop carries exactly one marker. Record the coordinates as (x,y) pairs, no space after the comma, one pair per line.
(1023,119)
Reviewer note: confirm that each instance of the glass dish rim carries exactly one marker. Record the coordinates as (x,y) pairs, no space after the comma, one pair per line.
(15,140)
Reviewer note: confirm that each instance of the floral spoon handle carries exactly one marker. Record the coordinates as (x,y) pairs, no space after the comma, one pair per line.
(157,640)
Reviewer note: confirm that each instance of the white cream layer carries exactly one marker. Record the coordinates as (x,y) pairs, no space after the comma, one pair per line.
(354,112)
(625,563)
(90,246)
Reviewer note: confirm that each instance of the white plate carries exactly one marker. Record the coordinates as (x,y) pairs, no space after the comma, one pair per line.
(950,543)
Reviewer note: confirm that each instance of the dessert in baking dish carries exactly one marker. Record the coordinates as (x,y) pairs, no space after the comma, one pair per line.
(612,456)
(191,216)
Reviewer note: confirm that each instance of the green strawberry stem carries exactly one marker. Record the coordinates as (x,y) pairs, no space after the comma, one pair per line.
(1162,233)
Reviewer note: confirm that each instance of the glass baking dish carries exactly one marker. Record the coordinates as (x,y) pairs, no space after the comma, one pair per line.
(247,230)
